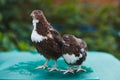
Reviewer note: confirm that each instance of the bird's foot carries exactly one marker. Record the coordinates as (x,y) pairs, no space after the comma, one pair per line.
(41,67)
(67,71)
(53,69)
(80,69)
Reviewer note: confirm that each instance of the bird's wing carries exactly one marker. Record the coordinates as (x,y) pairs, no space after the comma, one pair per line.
(57,37)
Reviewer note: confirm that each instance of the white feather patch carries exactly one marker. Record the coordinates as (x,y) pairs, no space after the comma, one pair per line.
(35,37)
(35,21)
(71,59)
(82,50)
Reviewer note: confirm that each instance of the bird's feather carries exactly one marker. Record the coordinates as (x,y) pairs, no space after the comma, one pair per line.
(75,52)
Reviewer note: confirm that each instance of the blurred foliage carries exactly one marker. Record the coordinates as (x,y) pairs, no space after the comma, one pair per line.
(98,26)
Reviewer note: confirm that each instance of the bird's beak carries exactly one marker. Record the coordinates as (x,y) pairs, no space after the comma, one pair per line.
(31,14)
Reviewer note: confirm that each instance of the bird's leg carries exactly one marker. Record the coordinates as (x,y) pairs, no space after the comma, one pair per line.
(79,69)
(44,66)
(54,68)
(69,70)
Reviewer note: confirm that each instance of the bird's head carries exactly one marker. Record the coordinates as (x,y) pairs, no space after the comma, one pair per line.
(37,14)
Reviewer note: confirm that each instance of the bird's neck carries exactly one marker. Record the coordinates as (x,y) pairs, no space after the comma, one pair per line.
(44,20)
(41,26)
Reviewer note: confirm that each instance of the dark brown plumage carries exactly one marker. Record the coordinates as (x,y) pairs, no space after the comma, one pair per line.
(47,40)
(74,52)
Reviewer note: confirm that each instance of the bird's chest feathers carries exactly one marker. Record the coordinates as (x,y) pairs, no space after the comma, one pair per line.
(35,37)
(35,21)
(71,59)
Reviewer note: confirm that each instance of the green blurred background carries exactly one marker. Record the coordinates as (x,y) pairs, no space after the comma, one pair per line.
(98,23)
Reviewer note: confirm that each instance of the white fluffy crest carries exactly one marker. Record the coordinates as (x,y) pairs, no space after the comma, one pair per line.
(35,37)
(71,59)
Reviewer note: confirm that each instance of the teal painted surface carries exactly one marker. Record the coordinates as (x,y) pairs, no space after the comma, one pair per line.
(21,65)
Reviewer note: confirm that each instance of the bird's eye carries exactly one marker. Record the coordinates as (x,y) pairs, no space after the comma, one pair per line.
(36,13)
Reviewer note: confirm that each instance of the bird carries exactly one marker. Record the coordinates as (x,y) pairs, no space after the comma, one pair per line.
(74,53)
(46,39)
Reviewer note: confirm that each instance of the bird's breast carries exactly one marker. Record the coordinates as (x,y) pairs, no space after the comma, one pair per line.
(35,37)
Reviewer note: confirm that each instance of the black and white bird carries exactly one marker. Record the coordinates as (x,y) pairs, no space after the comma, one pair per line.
(46,39)
(73,52)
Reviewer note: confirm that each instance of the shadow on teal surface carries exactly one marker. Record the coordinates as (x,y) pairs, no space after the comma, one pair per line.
(22,66)
(28,71)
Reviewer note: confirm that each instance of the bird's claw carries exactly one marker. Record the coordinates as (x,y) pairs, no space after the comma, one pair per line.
(67,71)
(80,69)
(41,67)
(53,69)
